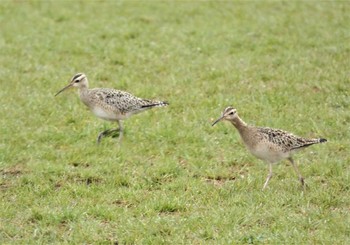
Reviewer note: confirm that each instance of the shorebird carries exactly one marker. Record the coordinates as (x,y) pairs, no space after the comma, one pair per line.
(110,104)
(268,144)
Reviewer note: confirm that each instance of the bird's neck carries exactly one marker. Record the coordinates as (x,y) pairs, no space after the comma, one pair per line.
(84,87)
(245,131)
(239,124)
(84,93)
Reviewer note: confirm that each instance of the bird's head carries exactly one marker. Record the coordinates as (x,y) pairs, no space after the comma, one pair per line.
(229,114)
(78,80)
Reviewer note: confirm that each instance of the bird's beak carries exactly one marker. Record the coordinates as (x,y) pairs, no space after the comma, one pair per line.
(68,86)
(218,120)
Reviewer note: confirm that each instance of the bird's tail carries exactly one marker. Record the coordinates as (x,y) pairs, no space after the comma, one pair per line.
(154,103)
(310,142)
(314,141)
(322,140)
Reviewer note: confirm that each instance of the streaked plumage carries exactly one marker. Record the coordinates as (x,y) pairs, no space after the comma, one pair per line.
(110,104)
(267,144)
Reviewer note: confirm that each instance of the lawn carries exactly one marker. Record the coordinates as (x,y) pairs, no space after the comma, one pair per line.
(174,179)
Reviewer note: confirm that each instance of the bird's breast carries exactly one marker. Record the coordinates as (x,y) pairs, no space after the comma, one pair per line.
(106,114)
(267,152)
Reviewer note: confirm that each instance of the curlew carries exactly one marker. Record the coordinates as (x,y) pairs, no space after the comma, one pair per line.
(268,144)
(110,104)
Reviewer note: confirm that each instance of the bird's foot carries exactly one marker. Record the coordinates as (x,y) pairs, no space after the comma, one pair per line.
(303,184)
(108,132)
(115,133)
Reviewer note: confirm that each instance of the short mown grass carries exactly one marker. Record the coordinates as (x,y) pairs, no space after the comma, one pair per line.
(174,179)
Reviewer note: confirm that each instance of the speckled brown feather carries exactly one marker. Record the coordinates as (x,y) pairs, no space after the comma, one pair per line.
(122,102)
(286,140)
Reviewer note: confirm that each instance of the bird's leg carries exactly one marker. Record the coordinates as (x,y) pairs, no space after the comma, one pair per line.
(297,171)
(110,131)
(121,131)
(268,177)
(103,134)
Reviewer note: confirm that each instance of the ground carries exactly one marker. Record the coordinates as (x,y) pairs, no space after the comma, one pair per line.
(174,179)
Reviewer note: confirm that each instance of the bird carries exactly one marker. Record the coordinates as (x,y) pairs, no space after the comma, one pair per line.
(110,104)
(268,144)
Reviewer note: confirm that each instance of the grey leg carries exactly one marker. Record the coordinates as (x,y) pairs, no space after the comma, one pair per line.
(109,131)
(268,177)
(121,131)
(102,134)
(301,179)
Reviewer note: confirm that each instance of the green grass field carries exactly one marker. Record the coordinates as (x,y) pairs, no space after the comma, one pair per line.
(174,179)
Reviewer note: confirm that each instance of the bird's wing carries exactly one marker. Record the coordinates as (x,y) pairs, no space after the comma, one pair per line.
(120,100)
(285,139)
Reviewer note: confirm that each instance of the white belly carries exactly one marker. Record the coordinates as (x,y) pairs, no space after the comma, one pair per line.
(107,115)
(268,153)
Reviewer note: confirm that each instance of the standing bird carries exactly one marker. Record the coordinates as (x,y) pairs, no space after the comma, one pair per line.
(110,104)
(268,144)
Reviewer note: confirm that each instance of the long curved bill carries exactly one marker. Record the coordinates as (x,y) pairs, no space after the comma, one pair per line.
(68,86)
(217,120)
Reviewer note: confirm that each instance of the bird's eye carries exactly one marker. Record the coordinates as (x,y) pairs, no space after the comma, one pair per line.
(231,113)
(76,81)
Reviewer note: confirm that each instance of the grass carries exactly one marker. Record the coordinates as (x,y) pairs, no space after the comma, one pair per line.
(175,179)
